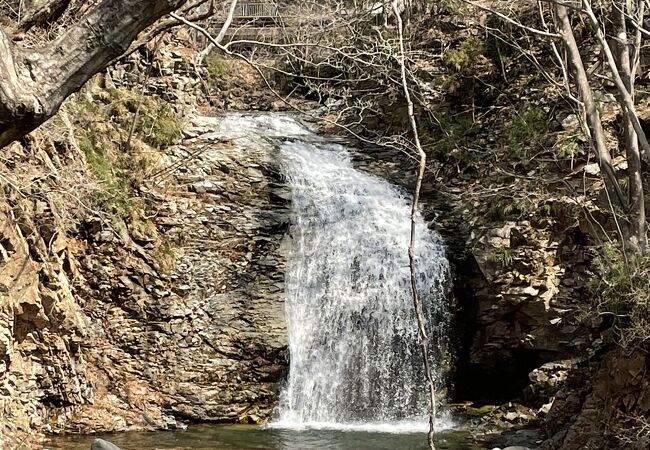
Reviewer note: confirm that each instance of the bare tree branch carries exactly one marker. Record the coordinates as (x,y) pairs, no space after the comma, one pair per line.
(594,123)
(417,303)
(512,21)
(224,29)
(628,102)
(635,185)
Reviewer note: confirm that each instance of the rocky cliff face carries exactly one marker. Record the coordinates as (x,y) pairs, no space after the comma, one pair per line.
(604,404)
(518,286)
(113,327)
(178,315)
(207,338)
(42,324)
(528,285)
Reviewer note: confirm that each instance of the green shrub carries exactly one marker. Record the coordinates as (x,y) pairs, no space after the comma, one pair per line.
(448,138)
(527,129)
(102,123)
(217,68)
(502,256)
(500,209)
(465,56)
(95,156)
(158,124)
(569,145)
(165,254)
(620,291)
(114,195)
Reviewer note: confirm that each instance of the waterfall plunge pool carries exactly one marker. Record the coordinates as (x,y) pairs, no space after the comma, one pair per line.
(249,437)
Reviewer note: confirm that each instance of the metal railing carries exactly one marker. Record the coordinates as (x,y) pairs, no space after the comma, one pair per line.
(255,10)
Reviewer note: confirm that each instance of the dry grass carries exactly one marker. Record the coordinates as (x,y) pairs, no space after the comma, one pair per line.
(620,287)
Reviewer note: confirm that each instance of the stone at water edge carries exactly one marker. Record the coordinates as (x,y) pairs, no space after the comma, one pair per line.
(101,444)
(515,447)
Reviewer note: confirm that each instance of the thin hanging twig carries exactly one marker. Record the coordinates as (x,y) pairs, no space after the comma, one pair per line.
(417,303)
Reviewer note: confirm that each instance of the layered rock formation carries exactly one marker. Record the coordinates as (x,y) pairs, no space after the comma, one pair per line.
(518,287)
(528,285)
(208,338)
(107,327)
(604,404)
(42,324)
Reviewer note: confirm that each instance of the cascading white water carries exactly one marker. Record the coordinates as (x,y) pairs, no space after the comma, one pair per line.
(352,330)
(355,360)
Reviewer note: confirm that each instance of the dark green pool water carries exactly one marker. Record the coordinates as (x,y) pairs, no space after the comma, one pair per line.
(240,437)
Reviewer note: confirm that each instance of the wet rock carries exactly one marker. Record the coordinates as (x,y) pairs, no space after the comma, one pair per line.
(546,380)
(516,447)
(100,444)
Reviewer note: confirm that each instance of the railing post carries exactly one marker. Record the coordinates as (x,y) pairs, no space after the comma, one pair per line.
(256,10)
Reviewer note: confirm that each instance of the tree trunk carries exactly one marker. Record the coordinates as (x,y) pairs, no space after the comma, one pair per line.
(628,103)
(594,123)
(35,82)
(224,29)
(39,12)
(635,195)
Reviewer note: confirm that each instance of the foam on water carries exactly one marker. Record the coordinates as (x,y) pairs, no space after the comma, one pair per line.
(401,427)
(261,124)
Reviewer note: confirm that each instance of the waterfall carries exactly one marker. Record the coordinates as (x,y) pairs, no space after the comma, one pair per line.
(355,359)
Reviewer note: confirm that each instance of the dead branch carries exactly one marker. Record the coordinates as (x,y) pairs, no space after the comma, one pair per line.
(417,303)
(628,102)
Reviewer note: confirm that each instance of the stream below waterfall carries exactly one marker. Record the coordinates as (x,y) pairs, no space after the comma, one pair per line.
(248,437)
(355,379)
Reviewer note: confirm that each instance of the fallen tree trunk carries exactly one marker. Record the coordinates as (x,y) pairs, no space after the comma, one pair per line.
(35,82)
